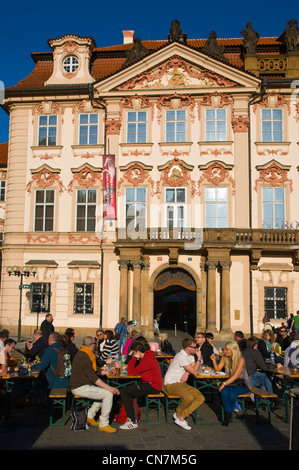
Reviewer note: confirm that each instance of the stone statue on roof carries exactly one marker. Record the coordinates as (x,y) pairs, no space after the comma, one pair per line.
(137,52)
(212,47)
(291,36)
(176,33)
(251,38)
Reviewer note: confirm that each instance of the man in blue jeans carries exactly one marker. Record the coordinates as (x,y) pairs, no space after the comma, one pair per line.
(121,330)
(253,361)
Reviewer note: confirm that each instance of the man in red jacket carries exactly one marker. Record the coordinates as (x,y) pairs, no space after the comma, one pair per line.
(145,364)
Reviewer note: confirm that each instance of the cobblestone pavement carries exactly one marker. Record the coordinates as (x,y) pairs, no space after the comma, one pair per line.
(22,434)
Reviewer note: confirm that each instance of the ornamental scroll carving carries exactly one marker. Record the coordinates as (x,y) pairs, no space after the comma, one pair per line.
(136,173)
(113,127)
(45,177)
(175,101)
(178,78)
(176,173)
(136,102)
(240,124)
(216,173)
(85,176)
(48,107)
(274,174)
(273,100)
(217,100)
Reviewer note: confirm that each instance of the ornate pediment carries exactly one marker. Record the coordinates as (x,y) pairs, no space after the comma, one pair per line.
(175,73)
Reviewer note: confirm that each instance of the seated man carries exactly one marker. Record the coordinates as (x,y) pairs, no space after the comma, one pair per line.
(36,348)
(175,381)
(9,345)
(207,349)
(253,361)
(86,383)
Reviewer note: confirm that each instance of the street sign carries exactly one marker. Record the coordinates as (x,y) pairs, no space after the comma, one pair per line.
(27,286)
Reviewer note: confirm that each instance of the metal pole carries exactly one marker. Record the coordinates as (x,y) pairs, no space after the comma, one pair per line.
(20,307)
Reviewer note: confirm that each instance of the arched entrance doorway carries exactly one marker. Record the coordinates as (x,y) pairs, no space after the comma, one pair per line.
(175,300)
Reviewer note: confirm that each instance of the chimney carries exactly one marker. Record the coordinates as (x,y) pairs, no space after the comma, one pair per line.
(128,37)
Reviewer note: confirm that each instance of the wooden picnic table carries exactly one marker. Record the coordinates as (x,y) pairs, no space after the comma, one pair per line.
(120,380)
(10,378)
(289,379)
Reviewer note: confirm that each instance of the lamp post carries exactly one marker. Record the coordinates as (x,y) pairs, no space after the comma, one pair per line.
(21,273)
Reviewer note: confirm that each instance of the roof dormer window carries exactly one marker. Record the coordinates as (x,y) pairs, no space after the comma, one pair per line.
(70,64)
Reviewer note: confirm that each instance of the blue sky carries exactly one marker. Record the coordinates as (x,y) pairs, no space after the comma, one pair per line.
(26,26)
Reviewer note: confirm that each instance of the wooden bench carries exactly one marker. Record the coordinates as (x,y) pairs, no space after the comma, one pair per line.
(169,401)
(57,398)
(241,399)
(155,400)
(262,397)
(77,401)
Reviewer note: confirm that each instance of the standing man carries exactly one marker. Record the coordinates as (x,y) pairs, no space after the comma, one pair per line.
(47,326)
(295,322)
(175,382)
(86,383)
(122,331)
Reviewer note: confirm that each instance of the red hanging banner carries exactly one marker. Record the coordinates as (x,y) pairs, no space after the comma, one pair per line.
(109,180)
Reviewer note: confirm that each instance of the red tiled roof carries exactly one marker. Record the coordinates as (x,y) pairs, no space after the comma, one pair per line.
(3,153)
(110,59)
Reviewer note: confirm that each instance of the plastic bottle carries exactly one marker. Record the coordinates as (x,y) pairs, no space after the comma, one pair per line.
(272,356)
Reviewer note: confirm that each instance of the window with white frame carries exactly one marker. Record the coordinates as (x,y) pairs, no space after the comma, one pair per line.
(135,208)
(83,298)
(88,129)
(272,125)
(275,302)
(137,127)
(175,207)
(44,210)
(70,64)
(2,190)
(176,126)
(86,210)
(273,208)
(216,207)
(215,125)
(47,130)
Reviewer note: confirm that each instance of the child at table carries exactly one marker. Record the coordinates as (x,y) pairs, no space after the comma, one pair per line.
(237,384)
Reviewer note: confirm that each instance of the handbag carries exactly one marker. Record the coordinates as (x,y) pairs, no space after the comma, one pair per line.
(239,382)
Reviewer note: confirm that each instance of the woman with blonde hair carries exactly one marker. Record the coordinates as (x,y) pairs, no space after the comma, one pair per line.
(237,383)
(166,345)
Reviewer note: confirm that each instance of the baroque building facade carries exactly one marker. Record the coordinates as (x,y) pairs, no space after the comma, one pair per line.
(153,179)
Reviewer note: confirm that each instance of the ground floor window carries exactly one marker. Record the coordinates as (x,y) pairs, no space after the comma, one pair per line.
(276,302)
(83,299)
(40,297)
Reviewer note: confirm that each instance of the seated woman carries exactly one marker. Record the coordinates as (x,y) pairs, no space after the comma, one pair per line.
(110,348)
(266,344)
(166,345)
(237,383)
(145,364)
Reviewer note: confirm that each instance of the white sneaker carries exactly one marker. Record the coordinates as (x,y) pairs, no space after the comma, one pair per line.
(183,424)
(129,424)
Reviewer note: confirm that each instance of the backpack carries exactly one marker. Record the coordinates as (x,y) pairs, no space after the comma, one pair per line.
(79,418)
(64,365)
